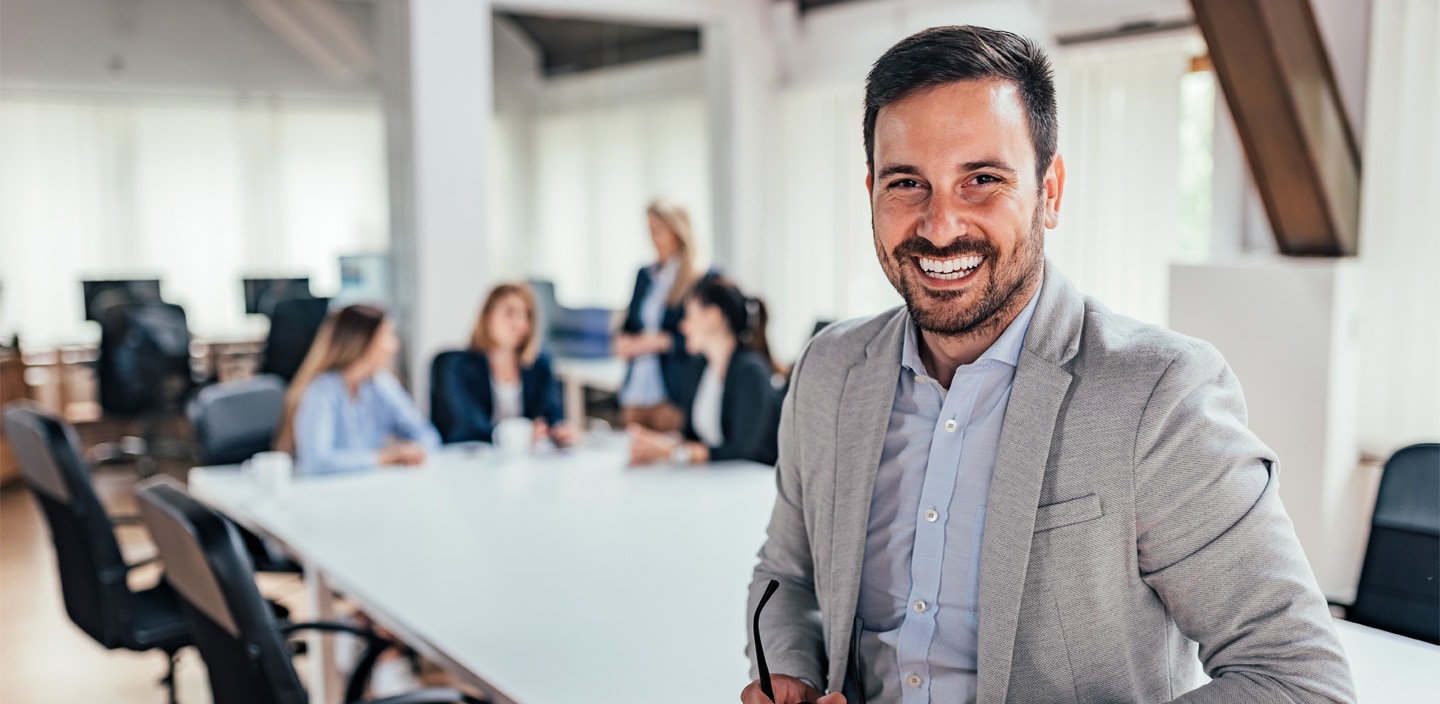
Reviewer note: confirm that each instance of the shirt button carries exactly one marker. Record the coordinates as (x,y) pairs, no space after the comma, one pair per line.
(919,379)
(913,680)
(951,425)
(919,606)
(932,515)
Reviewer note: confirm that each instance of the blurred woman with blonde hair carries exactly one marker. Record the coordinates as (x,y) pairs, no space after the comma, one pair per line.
(345,411)
(650,338)
(502,375)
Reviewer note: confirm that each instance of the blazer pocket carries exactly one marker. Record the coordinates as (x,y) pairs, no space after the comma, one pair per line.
(1070,512)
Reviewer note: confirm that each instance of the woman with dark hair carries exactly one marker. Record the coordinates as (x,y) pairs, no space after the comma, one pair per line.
(650,339)
(345,411)
(503,375)
(732,410)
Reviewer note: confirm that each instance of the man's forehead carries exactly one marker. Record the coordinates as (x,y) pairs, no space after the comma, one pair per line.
(990,109)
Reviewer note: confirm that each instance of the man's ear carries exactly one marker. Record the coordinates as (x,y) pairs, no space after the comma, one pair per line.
(1054,188)
(870,181)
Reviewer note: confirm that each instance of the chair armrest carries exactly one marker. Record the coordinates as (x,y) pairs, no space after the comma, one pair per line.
(147,561)
(428,696)
(331,627)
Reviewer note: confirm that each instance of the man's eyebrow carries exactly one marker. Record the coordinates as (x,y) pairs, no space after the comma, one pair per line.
(897,169)
(987,165)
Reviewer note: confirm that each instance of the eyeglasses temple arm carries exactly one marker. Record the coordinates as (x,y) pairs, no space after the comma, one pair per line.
(765,685)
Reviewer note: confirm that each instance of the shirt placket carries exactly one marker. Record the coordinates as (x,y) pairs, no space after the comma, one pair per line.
(917,630)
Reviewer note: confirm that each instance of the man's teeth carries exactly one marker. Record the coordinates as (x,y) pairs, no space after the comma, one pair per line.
(950,268)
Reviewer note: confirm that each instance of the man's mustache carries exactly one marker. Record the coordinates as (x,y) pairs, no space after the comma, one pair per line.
(921,247)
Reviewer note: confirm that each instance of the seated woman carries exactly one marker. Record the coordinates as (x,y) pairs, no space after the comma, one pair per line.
(734,411)
(503,375)
(345,411)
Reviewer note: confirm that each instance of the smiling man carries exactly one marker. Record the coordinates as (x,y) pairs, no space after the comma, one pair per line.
(1003,491)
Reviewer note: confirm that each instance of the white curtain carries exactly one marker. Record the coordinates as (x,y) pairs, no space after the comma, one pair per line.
(197,192)
(595,170)
(1399,236)
(1120,126)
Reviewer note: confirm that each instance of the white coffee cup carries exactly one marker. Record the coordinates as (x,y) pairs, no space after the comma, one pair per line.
(513,436)
(272,472)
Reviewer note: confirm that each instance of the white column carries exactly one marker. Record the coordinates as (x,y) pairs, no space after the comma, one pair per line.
(1288,328)
(439,89)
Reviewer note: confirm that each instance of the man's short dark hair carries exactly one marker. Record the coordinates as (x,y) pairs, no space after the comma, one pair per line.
(942,55)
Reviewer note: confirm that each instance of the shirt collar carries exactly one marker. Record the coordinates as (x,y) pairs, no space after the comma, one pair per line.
(1006,348)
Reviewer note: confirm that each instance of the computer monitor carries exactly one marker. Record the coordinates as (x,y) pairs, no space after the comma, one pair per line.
(261,295)
(101,294)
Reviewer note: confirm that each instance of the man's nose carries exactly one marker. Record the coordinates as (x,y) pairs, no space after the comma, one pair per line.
(946,219)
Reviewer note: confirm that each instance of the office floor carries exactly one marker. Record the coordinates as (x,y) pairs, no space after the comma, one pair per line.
(43,656)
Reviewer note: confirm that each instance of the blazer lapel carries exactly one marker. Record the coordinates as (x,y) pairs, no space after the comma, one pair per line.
(1041,383)
(864,417)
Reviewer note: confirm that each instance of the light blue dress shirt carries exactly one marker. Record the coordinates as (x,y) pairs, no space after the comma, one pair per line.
(337,432)
(919,585)
(646,385)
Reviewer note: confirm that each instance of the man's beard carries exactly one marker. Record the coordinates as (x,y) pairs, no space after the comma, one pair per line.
(1007,280)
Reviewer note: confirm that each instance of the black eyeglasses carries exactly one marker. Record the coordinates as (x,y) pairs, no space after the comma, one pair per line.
(765,684)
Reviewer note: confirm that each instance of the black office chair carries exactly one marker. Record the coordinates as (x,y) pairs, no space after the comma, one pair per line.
(439,410)
(143,373)
(231,422)
(293,327)
(241,641)
(1400,580)
(92,570)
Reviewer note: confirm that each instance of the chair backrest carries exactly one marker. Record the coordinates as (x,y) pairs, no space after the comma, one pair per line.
(230,622)
(439,410)
(144,360)
(1400,581)
(293,327)
(92,569)
(236,419)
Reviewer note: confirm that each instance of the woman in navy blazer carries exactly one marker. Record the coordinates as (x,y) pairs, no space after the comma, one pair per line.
(502,375)
(650,338)
(732,411)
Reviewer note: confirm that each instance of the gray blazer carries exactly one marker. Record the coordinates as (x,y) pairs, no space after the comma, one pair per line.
(1133,532)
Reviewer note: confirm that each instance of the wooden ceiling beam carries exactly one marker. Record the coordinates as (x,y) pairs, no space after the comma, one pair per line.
(1272,66)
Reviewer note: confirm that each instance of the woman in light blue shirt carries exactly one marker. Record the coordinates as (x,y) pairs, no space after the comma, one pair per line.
(345,410)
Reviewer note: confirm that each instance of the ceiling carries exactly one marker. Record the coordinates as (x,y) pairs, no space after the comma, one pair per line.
(568,45)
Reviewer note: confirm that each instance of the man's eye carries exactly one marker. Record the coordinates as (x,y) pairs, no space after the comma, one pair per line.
(905,183)
(986,179)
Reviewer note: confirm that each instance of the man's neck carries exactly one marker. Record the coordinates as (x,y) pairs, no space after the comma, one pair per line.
(943,354)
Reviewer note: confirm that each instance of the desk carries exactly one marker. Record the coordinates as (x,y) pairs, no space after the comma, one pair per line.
(539,579)
(604,373)
(571,579)
(1390,669)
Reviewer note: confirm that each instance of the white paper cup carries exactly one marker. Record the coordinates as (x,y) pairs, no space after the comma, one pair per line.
(272,472)
(513,436)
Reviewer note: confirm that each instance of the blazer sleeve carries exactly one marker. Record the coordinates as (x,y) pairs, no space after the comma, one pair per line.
(467,400)
(405,418)
(550,406)
(1216,545)
(794,637)
(632,323)
(316,450)
(749,417)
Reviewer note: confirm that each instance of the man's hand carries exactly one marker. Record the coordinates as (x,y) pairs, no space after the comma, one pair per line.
(404,453)
(648,446)
(788,690)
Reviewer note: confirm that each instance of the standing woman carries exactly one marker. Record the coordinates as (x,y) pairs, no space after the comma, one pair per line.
(650,338)
(733,410)
(503,375)
(345,411)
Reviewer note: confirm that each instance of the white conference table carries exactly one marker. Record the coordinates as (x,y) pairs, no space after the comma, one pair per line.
(569,578)
(1390,669)
(546,579)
